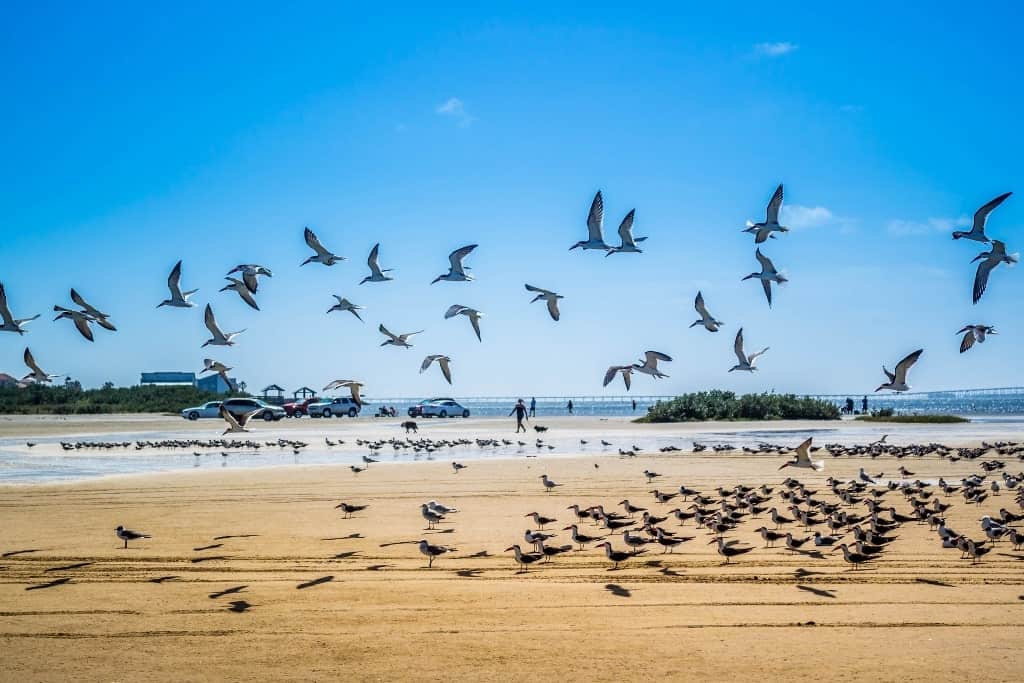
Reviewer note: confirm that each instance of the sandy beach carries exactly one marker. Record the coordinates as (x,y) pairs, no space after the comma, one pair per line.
(253,574)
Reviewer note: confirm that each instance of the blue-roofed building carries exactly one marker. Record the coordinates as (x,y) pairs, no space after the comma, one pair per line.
(215,383)
(168,378)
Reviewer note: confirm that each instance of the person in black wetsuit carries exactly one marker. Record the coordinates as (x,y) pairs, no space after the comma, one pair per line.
(521,414)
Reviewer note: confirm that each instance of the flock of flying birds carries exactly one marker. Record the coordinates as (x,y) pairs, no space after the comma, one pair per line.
(247,284)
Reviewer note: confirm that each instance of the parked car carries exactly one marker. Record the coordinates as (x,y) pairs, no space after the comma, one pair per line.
(299,408)
(241,406)
(211,409)
(438,407)
(334,407)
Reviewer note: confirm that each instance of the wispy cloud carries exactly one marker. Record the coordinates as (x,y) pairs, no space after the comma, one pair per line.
(455,108)
(899,227)
(775,49)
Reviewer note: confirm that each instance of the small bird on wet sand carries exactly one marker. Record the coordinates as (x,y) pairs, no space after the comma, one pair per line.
(548,483)
(729,551)
(431,515)
(432,551)
(524,560)
(458,466)
(581,539)
(129,535)
(855,559)
(540,520)
(616,556)
(348,508)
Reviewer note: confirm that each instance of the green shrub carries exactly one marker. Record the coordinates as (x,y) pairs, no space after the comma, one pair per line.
(725,405)
(73,400)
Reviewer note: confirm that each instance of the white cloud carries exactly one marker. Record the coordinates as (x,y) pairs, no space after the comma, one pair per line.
(455,108)
(900,227)
(775,49)
(799,217)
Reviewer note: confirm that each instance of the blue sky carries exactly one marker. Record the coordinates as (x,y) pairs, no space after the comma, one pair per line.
(133,138)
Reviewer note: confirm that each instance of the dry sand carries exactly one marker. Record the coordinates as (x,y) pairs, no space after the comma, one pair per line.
(254,575)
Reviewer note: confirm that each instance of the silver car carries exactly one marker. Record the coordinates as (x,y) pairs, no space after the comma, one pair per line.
(211,409)
(333,407)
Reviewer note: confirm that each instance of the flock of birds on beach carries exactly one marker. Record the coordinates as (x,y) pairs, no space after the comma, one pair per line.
(244,279)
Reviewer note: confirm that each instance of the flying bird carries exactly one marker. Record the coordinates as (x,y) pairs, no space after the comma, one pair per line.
(471,313)
(81,319)
(974,333)
(396,339)
(249,272)
(345,305)
(442,361)
(625,370)
(101,318)
(211,365)
(626,236)
(10,324)
(898,380)
(803,458)
(322,255)
(376,274)
(237,424)
(767,276)
(352,385)
(746,363)
(179,299)
(595,226)
(977,232)
(242,289)
(650,364)
(456,271)
(37,376)
(550,297)
(219,338)
(992,258)
(762,231)
(706,319)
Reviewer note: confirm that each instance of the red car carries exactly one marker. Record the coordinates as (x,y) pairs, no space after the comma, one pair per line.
(298,408)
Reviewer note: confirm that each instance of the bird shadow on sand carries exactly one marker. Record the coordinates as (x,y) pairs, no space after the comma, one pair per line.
(450,530)
(346,555)
(239,606)
(669,572)
(227,591)
(387,545)
(801,572)
(197,560)
(469,573)
(378,567)
(68,567)
(482,553)
(343,538)
(934,582)
(50,584)
(224,538)
(618,591)
(163,579)
(820,592)
(315,582)
(816,554)
(652,563)
(207,547)
(1012,557)
(14,553)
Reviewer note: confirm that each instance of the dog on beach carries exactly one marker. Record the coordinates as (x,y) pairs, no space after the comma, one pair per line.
(410,426)
(539,429)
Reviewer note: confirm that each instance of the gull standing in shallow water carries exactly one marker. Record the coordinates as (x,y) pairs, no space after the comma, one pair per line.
(10,324)
(456,271)
(322,255)
(179,299)
(746,363)
(898,380)
(242,289)
(706,319)
(550,297)
(397,339)
(442,361)
(219,338)
(974,333)
(595,226)
(249,272)
(376,274)
(803,458)
(37,376)
(992,258)
(471,313)
(762,231)
(977,232)
(345,305)
(626,236)
(767,276)
(352,385)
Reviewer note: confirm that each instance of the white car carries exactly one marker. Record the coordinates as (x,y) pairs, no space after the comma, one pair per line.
(438,407)
(333,407)
(211,409)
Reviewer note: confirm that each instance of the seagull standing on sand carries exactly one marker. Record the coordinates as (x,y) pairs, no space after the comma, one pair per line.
(345,305)
(179,299)
(211,365)
(376,274)
(352,385)
(548,483)
(219,338)
(803,458)
(442,361)
(396,339)
(767,276)
(10,324)
(249,272)
(706,319)
(128,535)
(432,551)
(626,236)
(762,231)
(322,255)
(471,313)
(650,364)
(595,226)
(550,297)
(746,363)
(991,258)
(974,333)
(242,289)
(456,271)
(237,424)
(432,516)
(898,380)
(627,374)
(37,376)
(977,232)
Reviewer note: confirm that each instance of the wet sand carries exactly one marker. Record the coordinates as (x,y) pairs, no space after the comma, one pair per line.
(252,574)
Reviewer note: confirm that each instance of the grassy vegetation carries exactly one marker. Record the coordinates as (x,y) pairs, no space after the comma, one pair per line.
(725,405)
(71,399)
(914,419)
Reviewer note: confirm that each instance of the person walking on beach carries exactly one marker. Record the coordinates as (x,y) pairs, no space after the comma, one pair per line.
(570,406)
(533,406)
(864,405)
(520,412)
(634,405)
